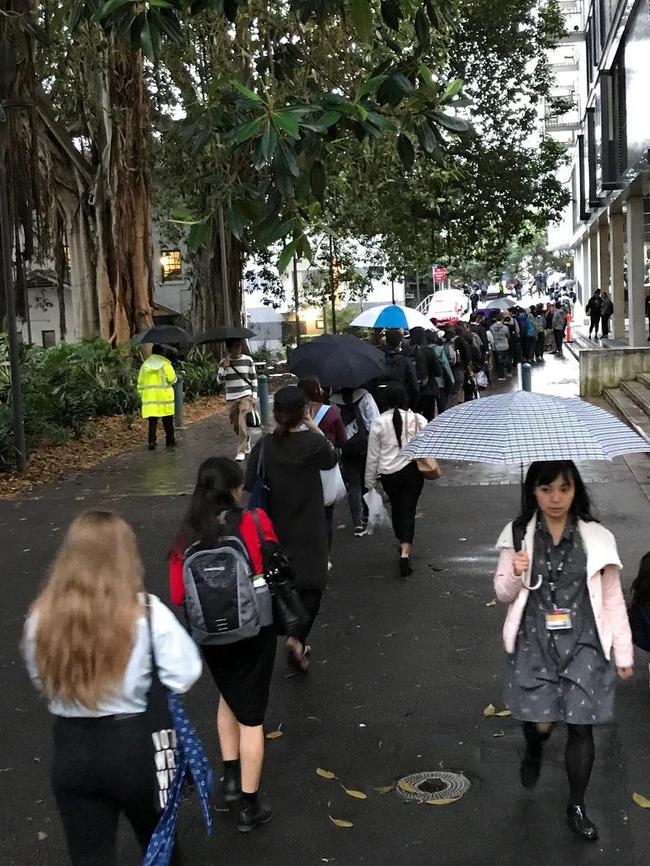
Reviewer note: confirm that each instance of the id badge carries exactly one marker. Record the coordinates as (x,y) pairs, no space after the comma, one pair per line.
(558,619)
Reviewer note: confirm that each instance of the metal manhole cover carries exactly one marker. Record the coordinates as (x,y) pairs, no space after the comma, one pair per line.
(432,785)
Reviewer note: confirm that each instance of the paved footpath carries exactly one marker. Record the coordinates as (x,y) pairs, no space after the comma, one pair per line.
(401,673)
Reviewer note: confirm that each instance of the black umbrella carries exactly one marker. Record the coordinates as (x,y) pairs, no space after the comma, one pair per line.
(169,335)
(338,360)
(224,332)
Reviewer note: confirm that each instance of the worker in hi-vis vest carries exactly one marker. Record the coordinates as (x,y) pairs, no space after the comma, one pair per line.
(156,389)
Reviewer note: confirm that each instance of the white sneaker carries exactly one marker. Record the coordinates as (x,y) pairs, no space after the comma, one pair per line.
(240,456)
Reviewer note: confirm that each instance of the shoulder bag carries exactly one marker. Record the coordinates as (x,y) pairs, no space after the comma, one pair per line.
(289,613)
(177,754)
(260,493)
(428,466)
(331,479)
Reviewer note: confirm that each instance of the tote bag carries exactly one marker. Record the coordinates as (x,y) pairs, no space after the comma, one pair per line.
(331,479)
(183,758)
(428,466)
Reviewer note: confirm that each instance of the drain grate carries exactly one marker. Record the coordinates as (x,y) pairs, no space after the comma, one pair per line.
(432,785)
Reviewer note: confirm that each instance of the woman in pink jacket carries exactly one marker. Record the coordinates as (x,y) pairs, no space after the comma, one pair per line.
(559,572)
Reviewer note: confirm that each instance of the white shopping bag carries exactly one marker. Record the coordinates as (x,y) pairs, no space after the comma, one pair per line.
(377,514)
(333,486)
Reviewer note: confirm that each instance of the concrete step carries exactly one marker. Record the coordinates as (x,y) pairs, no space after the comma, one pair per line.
(628,410)
(643,378)
(639,392)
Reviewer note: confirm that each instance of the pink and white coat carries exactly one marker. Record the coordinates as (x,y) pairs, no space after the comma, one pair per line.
(603,581)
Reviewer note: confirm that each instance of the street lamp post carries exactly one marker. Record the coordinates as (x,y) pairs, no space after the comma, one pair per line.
(7,78)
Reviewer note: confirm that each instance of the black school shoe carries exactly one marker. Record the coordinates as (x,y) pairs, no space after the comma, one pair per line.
(405,566)
(581,824)
(231,788)
(252,815)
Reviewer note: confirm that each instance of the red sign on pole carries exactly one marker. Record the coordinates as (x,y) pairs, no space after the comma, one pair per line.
(439,274)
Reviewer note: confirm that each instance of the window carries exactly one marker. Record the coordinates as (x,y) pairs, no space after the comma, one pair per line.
(170,261)
(320,324)
(48,338)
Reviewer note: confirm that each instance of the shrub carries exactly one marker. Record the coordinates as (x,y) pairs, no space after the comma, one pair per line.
(200,375)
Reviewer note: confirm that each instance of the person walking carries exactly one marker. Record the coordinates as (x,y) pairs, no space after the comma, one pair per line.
(399,368)
(429,370)
(606,313)
(445,381)
(156,381)
(399,476)
(292,459)
(639,610)
(238,374)
(566,632)
(329,421)
(559,324)
(358,411)
(501,334)
(88,643)
(241,670)
(594,310)
(540,327)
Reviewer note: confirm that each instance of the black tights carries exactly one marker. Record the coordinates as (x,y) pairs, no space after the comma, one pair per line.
(579,755)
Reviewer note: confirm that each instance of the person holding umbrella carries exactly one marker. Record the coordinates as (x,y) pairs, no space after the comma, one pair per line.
(238,374)
(156,381)
(566,632)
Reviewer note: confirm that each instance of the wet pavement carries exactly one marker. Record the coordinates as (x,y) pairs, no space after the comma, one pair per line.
(401,674)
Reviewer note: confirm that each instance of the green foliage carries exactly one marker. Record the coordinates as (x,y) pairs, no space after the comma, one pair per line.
(200,375)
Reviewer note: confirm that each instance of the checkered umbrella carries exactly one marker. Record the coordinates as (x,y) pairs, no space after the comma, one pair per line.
(520,427)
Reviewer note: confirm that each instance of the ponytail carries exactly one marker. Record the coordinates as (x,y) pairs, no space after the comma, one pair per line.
(398,425)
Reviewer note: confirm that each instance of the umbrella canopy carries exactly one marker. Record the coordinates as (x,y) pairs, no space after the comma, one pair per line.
(391,316)
(165,334)
(338,360)
(502,304)
(224,332)
(521,427)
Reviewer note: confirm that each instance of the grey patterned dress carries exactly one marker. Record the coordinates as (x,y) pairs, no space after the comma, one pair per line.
(560,676)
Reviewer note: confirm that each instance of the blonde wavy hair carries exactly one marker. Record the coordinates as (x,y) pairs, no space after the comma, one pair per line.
(88,609)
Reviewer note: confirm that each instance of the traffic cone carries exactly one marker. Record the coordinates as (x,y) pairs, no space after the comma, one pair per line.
(568,338)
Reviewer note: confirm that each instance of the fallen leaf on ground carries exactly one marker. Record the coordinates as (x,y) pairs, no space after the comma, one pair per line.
(358,795)
(447,802)
(490,710)
(499,734)
(641,801)
(384,789)
(274,735)
(41,835)
(503,714)
(406,787)
(341,822)
(491,603)
(325,774)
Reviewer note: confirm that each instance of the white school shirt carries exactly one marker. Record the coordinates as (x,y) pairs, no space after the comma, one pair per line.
(177,657)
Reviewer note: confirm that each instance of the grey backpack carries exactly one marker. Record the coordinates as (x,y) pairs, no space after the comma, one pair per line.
(224,601)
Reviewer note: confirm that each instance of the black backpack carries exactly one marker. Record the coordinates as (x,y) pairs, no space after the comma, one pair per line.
(357,433)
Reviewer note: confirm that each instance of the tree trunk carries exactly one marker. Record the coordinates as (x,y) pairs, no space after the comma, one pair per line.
(122,197)
(207,284)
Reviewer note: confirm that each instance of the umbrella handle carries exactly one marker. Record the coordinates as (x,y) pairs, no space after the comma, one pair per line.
(523,576)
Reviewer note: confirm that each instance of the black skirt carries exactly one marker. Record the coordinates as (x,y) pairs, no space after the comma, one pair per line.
(242,673)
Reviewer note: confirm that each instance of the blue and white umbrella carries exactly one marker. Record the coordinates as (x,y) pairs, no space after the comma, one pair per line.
(520,427)
(392,316)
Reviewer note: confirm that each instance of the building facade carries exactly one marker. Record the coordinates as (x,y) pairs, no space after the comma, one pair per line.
(610,176)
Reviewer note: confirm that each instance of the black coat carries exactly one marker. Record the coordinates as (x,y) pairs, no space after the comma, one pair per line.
(292,472)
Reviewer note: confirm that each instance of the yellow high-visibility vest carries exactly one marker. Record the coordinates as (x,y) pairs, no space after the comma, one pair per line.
(155,386)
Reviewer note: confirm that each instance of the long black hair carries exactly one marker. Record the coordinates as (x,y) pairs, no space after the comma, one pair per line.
(395,398)
(213,511)
(544,472)
(641,585)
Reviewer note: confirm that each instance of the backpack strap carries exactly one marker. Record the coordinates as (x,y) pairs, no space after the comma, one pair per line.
(322,412)
(258,525)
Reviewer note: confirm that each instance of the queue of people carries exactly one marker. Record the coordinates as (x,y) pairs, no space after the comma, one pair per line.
(95,642)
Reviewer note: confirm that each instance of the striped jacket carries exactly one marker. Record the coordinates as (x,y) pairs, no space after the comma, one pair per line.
(239,378)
